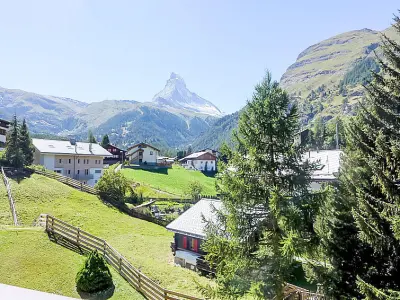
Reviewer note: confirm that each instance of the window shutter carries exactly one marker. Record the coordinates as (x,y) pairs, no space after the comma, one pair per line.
(196,245)
(185,242)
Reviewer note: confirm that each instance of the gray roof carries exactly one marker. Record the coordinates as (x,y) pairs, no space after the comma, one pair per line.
(195,155)
(329,163)
(191,221)
(65,147)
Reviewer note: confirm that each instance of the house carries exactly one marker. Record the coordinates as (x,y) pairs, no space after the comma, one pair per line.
(302,137)
(164,161)
(212,151)
(328,165)
(118,155)
(189,233)
(142,154)
(202,161)
(77,160)
(4,126)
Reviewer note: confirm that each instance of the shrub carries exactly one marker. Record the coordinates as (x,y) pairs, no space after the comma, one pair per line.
(113,186)
(94,275)
(194,190)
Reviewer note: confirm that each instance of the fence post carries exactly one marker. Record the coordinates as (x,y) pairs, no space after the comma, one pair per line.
(47,223)
(139,281)
(77,236)
(81,186)
(105,248)
(165,294)
(120,264)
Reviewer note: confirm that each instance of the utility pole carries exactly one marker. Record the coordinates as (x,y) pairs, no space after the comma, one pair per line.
(337,135)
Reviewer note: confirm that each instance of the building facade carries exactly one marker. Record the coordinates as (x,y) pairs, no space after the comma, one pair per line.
(143,154)
(202,161)
(4,127)
(118,155)
(77,160)
(189,234)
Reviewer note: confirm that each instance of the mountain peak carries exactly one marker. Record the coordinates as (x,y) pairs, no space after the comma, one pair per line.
(176,95)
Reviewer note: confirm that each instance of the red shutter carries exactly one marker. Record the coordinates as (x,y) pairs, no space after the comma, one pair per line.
(196,245)
(185,242)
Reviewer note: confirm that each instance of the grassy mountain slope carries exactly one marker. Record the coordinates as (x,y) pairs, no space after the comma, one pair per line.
(144,244)
(30,260)
(327,77)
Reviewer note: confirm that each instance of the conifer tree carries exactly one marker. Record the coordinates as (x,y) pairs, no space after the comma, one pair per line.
(268,210)
(91,138)
(25,144)
(371,173)
(105,141)
(14,154)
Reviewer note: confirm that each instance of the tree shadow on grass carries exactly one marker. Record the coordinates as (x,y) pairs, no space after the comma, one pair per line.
(101,295)
(18,174)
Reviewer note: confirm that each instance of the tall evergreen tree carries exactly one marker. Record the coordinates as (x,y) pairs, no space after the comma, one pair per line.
(14,154)
(268,208)
(25,144)
(91,138)
(371,172)
(105,141)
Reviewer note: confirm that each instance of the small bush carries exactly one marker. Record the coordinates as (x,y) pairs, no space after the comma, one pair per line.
(94,275)
(113,187)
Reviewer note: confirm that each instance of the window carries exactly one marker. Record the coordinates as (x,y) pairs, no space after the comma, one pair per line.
(95,181)
(60,160)
(86,172)
(69,160)
(79,161)
(69,172)
(77,172)
(151,152)
(97,171)
(57,171)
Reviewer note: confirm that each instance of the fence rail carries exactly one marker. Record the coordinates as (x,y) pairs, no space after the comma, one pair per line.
(67,180)
(150,289)
(10,198)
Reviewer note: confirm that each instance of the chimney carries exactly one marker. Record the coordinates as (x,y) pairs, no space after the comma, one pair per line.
(90,147)
(72,140)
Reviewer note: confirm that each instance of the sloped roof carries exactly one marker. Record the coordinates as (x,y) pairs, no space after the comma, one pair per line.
(196,155)
(191,221)
(65,147)
(328,161)
(150,146)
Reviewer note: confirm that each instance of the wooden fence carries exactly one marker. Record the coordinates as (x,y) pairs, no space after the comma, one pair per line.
(69,181)
(150,289)
(293,292)
(10,198)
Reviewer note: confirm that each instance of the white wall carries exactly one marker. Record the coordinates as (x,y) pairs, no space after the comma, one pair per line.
(96,176)
(48,161)
(201,165)
(149,158)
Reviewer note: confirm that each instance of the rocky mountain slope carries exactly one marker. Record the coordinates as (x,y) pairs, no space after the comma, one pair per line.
(175,95)
(327,77)
(175,118)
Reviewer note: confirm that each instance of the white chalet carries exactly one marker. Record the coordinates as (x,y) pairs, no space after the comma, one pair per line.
(202,161)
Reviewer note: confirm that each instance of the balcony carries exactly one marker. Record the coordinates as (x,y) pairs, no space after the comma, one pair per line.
(83,176)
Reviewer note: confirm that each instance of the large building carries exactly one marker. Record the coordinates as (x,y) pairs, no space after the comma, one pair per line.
(202,161)
(142,154)
(77,160)
(4,126)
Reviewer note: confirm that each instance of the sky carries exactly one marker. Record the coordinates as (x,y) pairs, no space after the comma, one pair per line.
(98,50)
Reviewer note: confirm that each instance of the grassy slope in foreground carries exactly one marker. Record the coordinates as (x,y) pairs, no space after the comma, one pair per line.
(175,180)
(30,260)
(144,244)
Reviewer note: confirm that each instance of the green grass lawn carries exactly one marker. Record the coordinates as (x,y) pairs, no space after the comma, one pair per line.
(174,181)
(5,212)
(144,244)
(30,260)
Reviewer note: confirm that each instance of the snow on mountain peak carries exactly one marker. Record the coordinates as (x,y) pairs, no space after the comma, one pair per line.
(176,95)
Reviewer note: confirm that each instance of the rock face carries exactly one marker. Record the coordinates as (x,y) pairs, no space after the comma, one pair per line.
(177,96)
(327,77)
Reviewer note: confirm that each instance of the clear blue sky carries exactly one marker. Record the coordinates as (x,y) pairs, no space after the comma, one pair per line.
(96,50)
